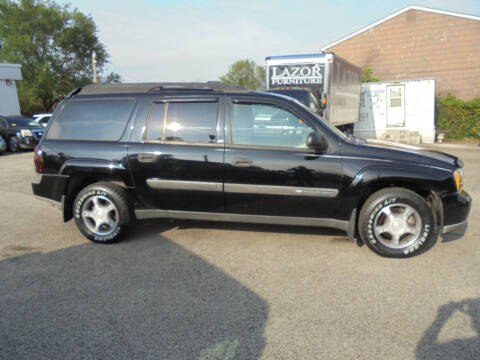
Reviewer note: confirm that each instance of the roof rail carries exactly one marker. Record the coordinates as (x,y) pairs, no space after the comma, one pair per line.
(156,87)
(178,87)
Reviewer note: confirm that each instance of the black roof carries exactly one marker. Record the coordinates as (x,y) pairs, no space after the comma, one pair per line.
(128,88)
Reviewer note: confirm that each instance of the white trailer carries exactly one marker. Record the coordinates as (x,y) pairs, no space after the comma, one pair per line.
(400,111)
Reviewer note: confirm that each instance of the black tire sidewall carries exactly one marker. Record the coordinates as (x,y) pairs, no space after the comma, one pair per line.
(13,147)
(373,207)
(114,197)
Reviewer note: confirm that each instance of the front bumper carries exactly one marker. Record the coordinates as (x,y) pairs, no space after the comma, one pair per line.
(449,228)
(456,208)
(27,142)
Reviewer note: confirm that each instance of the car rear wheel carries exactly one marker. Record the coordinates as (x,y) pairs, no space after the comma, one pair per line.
(102,212)
(13,144)
(396,222)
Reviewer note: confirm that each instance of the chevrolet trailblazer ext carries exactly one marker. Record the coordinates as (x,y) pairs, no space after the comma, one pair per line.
(209,151)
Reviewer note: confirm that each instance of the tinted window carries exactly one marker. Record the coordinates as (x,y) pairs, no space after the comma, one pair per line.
(268,125)
(92,120)
(155,126)
(189,122)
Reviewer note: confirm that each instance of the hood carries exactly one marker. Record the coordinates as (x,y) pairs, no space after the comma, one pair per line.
(414,154)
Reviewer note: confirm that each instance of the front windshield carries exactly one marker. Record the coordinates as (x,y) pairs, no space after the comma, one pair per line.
(22,122)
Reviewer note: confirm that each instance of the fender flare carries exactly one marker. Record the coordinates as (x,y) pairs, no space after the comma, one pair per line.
(89,168)
(429,179)
(415,174)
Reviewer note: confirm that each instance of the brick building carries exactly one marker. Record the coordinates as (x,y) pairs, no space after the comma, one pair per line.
(416,43)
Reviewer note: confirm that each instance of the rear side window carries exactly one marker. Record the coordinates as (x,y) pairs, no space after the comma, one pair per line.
(194,122)
(103,119)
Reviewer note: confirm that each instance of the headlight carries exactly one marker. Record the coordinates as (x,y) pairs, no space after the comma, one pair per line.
(457,176)
(26,132)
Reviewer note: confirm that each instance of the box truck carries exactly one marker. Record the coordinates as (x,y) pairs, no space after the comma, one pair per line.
(324,82)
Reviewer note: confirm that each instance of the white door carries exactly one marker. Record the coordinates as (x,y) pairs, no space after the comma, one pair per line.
(396,106)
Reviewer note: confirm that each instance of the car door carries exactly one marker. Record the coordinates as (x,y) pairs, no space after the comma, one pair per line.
(176,160)
(268,168)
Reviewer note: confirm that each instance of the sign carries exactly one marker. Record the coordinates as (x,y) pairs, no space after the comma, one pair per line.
(301,75)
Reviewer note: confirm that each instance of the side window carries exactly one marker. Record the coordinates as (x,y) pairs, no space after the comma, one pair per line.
(155,124)
(102,119)
(194,122)
(268,125)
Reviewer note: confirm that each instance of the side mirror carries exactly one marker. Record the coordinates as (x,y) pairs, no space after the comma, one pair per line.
(317,141)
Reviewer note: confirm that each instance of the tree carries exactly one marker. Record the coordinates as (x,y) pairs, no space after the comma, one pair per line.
(245,73)
(112,78)
(54,45)
(367,75)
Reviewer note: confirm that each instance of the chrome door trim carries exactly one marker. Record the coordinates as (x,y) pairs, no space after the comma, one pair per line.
(184,185)
(259,219)
(280,190)
(241,188)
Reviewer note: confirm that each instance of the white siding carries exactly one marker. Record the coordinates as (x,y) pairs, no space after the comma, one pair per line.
(8,90)
(8,99)
(10,71)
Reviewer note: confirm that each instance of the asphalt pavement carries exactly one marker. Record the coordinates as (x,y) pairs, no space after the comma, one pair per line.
(196,290)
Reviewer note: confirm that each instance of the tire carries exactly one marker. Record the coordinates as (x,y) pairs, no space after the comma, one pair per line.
(13,144)
(3,144)
(397,222)
(102,212)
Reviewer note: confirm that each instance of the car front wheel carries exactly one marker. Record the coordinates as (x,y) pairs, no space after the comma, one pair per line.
(397,222)
(101,212)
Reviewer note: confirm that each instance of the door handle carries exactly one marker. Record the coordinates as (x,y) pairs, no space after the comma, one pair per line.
(242,161)
(145,158)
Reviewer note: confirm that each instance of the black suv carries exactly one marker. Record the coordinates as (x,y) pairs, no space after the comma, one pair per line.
(113,153)
(20,132)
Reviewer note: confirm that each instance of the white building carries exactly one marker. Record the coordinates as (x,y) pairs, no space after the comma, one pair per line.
(400,111)
(9,73)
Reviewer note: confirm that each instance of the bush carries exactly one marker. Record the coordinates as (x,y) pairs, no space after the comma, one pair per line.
(460,117)
(367,75)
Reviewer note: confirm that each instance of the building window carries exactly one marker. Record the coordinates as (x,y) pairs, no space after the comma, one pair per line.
(396,97)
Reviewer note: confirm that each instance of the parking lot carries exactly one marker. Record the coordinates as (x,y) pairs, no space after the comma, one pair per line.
(187,290)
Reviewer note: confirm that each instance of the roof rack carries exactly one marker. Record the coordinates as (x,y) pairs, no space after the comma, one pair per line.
(155,87)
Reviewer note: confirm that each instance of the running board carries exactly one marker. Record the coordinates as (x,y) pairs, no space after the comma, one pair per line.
(258,219)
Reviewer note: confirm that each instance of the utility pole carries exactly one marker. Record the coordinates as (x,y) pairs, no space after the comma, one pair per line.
(94,63)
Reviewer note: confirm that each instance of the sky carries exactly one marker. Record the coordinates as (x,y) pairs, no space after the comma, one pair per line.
(179,40)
